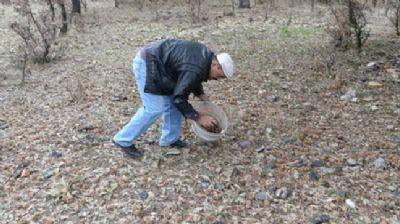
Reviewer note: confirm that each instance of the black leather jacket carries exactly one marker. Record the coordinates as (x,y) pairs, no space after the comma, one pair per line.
(177,68)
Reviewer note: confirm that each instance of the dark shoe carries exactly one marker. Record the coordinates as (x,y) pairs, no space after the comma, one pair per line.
(179,144)
(130,151)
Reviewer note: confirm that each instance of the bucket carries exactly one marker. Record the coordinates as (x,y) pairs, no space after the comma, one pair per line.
(214,111)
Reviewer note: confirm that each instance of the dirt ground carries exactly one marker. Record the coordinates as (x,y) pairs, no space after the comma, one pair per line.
(302,146)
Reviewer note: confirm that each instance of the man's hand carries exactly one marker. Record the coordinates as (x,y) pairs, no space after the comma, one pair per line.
(204,97)
(207,122)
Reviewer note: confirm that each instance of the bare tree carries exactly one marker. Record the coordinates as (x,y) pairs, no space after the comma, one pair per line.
(76,6)
(392,12)
(358,22)
(350,23)
(194,9)
(244,3)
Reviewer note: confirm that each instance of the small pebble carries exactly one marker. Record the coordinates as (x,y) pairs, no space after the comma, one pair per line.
(380,164)
(261,196)
(244,144)
(326,170)
(313,176)
(351,162)
(48,173)
(317,163)
(55,154)
(319,219)
(282,193)
(350,203)
(143,195)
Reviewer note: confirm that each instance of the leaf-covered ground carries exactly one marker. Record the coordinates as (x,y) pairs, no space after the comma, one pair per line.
(302,147)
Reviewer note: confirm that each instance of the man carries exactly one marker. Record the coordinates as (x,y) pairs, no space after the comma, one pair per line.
(166,73)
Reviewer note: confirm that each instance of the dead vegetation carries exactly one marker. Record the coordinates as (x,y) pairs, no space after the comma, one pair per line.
(313,132)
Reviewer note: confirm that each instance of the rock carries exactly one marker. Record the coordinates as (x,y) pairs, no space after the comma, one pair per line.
(55,154)
(380,164)
(351,162)
(272,98)
(48,173)
(3,125)
(261,149)
(375,65)
(319,219)
(313,176)
(298,163)
(198,210)
(350,203)
(374,107)
(172,152)
(282,193)
(308,106)
(374,84)
(204,181)
(244,144)
(327,170)
(261,196)
(349,96)
(143,195)
(317,163)
(2,134)
(397,111)
(84,212)
(25,173)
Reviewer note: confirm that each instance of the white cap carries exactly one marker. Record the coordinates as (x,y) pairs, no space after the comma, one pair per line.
(226,63)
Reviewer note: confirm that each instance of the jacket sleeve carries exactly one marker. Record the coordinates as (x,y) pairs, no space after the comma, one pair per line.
(187,83)
(199,90)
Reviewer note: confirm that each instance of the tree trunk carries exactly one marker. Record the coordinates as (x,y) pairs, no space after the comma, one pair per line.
(312,5)
(244,4)
(5,2)
(76,6)
(64,27)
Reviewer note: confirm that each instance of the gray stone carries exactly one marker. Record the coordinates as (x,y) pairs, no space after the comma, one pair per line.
(308,106)
(143,195)
(313,176)
(380,164)
(351,162)
(317,163)
(282,193)
(84,212)
(327,170)
(349,96)
(319,219)
(375,65)
(261,196)
(272,98)
(48,173)
(3,125)
(261,149)
(2,134)
(55,154)
(244,144)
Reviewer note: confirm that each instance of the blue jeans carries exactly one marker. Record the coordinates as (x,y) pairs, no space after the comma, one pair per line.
(153,106)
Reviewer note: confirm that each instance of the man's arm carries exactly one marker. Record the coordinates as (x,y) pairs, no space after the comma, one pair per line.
(185,85)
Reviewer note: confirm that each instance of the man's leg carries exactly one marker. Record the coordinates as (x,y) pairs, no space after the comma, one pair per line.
(172,122)
(152,108)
